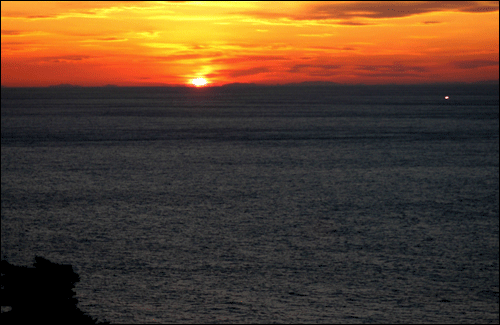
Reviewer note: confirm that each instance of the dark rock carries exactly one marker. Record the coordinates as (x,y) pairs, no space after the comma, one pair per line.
(42,293)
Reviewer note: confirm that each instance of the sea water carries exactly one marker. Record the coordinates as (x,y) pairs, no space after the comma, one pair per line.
(291,204)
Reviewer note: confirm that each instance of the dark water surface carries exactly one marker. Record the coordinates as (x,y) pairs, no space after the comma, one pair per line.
(259,205)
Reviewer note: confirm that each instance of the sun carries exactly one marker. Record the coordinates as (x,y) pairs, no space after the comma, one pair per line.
(199,82)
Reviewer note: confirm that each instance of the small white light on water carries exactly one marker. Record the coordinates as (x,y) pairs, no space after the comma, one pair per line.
(446,97)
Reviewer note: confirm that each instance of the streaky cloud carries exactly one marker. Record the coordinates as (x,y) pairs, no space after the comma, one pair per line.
(474,64)
(248,72)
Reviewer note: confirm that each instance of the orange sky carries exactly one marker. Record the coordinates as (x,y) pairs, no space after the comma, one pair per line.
(165,43)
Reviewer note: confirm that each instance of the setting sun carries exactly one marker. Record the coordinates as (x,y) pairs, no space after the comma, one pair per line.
(199,82)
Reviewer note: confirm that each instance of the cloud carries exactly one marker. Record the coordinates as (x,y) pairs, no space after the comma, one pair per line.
(431,22)
(60,9)
(389,74)
(299,68)
(334,48)
(473,64)
(147,34)
(316,35)
(85,14)
(395,9)
(250,58)
(11,32)
(396,68)
(352,23)
(40,16)
(316,70)
(112,39)
(346,11)
(65,58)
(479,8)
(247,72)
(182,57)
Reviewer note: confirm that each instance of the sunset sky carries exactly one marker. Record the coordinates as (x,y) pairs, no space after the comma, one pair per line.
(171,43)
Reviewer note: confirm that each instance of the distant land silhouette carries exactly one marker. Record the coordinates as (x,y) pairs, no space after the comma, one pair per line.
(300,84)
(41,294)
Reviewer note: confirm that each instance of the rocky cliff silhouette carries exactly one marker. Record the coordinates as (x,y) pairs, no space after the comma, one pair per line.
(42,293)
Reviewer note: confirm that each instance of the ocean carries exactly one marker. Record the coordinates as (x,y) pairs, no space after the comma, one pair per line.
(252,204)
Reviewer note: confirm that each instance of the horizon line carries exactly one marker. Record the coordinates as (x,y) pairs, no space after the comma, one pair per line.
(240,84)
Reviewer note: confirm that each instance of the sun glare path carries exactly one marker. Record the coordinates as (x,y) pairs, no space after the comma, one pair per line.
(199,82)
